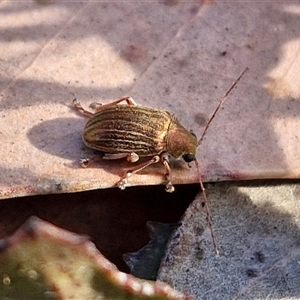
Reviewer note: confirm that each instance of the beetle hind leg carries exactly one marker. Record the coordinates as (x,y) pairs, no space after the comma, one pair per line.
(99,106)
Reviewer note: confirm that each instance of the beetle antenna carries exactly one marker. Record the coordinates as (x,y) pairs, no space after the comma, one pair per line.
(209,218)
(220,104)
(207,210)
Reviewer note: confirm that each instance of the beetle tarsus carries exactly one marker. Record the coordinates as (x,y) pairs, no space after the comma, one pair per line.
(84,162)
(80,109)
(122,184)
(170,188)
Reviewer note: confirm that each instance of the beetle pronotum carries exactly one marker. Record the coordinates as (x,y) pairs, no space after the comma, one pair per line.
(131,131)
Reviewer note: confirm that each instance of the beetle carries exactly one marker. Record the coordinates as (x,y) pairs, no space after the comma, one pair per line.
(131,131)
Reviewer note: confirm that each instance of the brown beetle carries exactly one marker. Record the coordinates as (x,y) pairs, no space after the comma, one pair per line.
(133,131)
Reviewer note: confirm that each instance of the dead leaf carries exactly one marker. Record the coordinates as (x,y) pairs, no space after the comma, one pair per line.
(181,57)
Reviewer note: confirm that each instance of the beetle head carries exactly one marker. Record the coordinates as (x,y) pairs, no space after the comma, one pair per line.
(181,143)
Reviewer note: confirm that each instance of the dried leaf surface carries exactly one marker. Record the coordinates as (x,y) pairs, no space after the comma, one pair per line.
(177,55)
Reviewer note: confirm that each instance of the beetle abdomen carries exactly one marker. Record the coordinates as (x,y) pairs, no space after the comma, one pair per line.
(124,129)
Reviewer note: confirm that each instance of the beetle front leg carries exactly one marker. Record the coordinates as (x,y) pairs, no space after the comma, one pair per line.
(124,181)
(165,160)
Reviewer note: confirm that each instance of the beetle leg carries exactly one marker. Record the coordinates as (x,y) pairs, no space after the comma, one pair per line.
(99,106)
(85,162)
(131,157)
(123,182)
(165,160)
(79,108)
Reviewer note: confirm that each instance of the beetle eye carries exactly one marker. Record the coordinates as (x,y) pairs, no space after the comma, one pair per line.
(188,157)
(193,134)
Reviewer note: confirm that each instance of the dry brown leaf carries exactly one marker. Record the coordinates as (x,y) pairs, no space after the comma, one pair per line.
(182,57)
